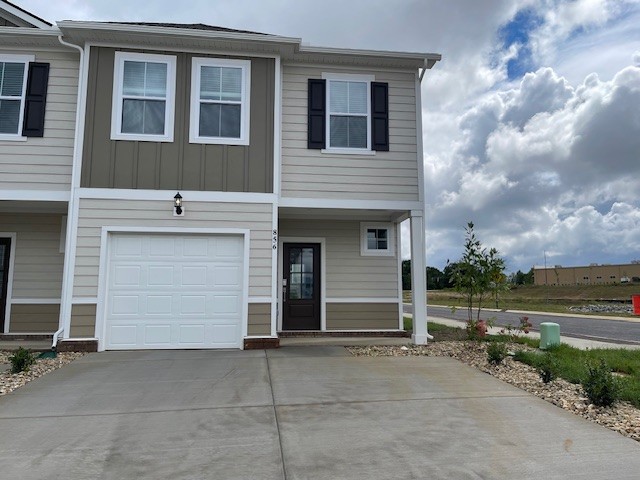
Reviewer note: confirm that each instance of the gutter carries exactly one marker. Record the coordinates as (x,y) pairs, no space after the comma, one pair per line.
(69,263)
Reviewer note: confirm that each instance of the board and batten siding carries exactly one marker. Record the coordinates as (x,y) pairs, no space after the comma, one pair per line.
(177,165)
(45,163)
(38,262)
(309,173)
(96,213)
(348,274)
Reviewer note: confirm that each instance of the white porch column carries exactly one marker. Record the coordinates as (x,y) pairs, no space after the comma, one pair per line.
(418,279)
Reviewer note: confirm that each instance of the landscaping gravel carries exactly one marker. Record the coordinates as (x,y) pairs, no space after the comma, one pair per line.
(623,418)
(9,381)
(603,308)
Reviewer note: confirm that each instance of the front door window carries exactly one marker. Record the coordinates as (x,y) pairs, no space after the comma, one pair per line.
(301,274)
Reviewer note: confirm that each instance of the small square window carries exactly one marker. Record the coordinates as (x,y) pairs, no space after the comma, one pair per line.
(376,239)
(143,97)
(220,101)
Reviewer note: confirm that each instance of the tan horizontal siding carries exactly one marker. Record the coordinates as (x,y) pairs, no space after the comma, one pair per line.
(38,262)
(259,319)
(83,321)
(32,318)
(310,173)
(96,213)
(45,163)
(348,273)
(362,316)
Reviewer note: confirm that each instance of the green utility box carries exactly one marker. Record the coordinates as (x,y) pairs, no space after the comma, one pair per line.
(549,335)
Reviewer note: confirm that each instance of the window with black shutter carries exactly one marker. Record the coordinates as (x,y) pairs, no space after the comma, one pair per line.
(380,116)
(348,113)
(35,100)
(317,116)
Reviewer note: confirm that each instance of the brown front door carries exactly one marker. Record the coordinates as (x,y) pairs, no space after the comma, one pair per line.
(301,286)
(5,247)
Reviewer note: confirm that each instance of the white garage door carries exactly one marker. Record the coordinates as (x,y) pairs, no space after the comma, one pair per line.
(174,291)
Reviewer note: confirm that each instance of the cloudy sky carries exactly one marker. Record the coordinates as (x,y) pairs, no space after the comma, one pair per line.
(531,121)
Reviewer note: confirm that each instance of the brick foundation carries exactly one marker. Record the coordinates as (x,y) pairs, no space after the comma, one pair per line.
(261,343)
(77,346)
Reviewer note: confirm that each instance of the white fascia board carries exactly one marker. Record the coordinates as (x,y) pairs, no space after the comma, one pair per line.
(36,195)
(418,57)
(25,16)
(350,204)
(173,31)
(187,195)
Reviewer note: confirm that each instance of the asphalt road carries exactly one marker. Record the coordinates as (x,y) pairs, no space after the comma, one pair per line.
(614,331)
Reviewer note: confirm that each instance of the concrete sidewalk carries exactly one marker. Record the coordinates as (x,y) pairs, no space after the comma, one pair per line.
(294,413)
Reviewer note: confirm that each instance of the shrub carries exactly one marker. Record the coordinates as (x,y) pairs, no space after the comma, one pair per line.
(496,352)
(600,386)
(21,360)
(548,368)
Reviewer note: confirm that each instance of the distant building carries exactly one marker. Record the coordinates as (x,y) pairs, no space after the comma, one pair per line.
(588,275)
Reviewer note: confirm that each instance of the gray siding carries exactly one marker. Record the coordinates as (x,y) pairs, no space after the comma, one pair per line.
(259,319)
(28,318)
(45,163)
(391,175)
(178,165)
(83,321)
(38,261)
(94,214)
(348,273)
(362,316)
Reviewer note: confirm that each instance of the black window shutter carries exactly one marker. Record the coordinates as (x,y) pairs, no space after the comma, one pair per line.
(317,120)
(35,100)
(380,116)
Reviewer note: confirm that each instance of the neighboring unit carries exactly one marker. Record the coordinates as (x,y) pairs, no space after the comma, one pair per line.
(216,188)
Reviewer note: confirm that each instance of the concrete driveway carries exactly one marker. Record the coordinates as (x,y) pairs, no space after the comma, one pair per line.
(294,413)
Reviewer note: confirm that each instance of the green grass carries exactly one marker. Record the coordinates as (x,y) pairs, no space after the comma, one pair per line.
(572,366)
(540,298)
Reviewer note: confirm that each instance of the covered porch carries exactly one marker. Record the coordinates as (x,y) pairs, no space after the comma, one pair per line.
(339,271)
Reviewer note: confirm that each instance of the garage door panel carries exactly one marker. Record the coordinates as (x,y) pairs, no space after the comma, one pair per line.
(225,276)
(125,305)
(174,291)
(157,334)
(160,275)
(159,246)
(194,275)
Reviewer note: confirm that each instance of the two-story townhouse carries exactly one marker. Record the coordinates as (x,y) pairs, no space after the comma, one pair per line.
(230,186)
(38,98)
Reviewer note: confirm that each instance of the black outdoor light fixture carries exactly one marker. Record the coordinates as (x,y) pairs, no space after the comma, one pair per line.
(177,204)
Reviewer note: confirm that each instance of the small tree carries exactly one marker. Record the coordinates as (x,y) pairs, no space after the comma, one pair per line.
(477,275)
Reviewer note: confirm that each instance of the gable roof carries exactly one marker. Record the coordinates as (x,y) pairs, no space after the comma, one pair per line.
(20,17)
(192,26)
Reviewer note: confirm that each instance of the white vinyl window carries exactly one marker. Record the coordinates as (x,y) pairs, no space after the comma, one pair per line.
(143,97)
(348,112)
(377,239)
(220,91)
(13,84)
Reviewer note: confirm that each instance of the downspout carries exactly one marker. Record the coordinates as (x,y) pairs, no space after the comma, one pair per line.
(65,305)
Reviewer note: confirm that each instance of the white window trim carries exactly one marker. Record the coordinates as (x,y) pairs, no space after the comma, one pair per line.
(245,106)
(347,78)
(25,59)
(364,246)
(117,100)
